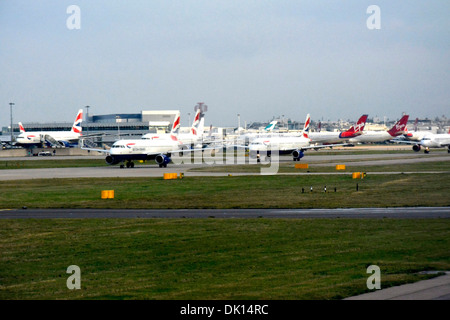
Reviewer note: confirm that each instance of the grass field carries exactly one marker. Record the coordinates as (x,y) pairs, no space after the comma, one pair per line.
(233,259)
(281,191)
(215,258)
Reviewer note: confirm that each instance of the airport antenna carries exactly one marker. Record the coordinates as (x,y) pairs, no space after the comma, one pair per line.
(202,107)
(11,104)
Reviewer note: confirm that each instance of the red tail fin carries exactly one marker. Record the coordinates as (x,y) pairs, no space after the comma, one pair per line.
(305,132)
(21,128)
(355,130)
(175,127)
(399,127)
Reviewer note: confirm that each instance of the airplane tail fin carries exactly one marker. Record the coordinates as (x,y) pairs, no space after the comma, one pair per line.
(77,124)
(357,129)
(21,128)
(196,123)
(175,127)
(399,127)
(305,131)
(201,127)
(407,133)
(271,126)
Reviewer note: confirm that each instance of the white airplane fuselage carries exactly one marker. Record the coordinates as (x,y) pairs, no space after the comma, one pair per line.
(141,149)
(436,140)
(280,143)
(327,137)
(37,137)
(372,136)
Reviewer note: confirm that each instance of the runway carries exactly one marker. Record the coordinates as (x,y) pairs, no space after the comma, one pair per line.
(189,169)
(344,213)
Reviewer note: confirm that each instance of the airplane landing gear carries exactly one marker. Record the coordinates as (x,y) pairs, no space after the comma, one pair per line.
(130,164)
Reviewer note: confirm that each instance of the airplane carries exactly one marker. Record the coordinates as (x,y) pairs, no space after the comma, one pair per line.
(294,145)
(158,149)
(195,135)
(415,135)
(336,137)
(380,136)
(51,138)
(250,136)
(431,140)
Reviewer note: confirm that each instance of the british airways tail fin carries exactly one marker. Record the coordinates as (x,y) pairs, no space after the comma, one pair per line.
(305,131)
(175,127)
(21,128)
(399,127)
(76,128)
(196,123)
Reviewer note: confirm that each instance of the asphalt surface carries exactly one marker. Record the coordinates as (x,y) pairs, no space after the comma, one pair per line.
(155,171)
(351,213)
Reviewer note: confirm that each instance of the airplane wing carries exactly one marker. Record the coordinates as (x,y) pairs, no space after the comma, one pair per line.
(187,150)
(319,146)
(404,141)
(94,149)
(322,146)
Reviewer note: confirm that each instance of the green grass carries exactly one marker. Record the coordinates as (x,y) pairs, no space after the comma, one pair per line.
(53,163)
(281,191)
(222,258)
(326,166)
(215,258)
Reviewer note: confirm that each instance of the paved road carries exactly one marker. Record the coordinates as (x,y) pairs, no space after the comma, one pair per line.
(154,171)
(352,213)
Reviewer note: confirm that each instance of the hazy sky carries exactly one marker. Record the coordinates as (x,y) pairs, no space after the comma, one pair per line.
(258,58)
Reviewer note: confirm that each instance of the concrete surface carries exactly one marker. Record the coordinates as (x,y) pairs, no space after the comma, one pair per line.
(434,289)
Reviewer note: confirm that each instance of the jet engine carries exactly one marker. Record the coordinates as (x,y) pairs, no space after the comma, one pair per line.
(298,154)
(111,160)
(162,160)
(416,147)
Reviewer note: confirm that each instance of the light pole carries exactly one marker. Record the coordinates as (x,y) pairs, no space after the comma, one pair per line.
(118,126)
(189,114)
(239,122)
(11,104)
(87,118)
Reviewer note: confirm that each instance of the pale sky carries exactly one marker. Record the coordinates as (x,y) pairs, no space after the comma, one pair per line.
(258,58)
